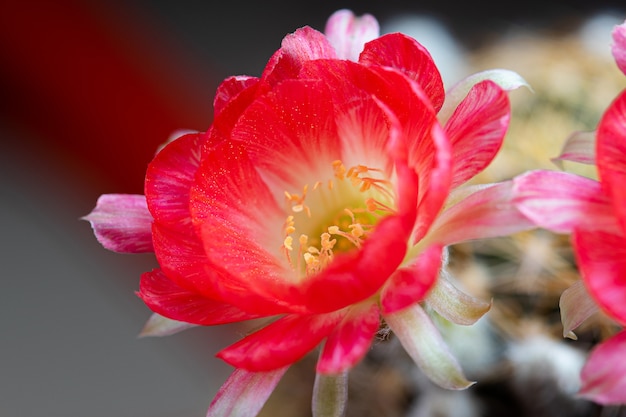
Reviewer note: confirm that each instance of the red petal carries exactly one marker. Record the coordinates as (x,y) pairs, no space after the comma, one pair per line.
(229,89)
(602,261)
(281,343)
(611,155)
(476,129)
(163,296)
(604,375)
(410,284)
(349,342)
(401,52)
(169,178)
(240,224)
(290,134)
(122,223)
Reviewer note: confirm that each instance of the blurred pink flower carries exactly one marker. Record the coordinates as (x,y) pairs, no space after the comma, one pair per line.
(322,198)
(595,213)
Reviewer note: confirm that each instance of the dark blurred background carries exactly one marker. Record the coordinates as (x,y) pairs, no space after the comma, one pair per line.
(88,90)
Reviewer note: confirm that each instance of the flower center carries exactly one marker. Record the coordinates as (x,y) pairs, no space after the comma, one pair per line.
(334,216)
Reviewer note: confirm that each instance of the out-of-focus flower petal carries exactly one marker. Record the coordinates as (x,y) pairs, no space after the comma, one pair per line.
(348,33)
(349,342)
(611,155)
(619,46)
(410,284)
(405,54)
(122,223)
(157,325)
(455,305)
(164,297)
(169,177)
(576,306)
(280,343)
(305,44)
(478,212)
(579,147)
(476,129)
(244,393)
(230,88)
(423,342)
(604,375)
(602,261)
(506,79)
(561,202)
(330,395)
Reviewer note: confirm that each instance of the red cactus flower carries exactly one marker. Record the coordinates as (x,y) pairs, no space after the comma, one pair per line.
(595,213)
(321,198)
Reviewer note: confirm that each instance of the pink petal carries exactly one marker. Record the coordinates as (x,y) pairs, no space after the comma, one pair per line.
(305,44)
(476,129)
(611,155)
(604,374)
(350,340)
(244,393)
(619,46)
(453,304)
(579,147)
(166,298)
(157,325)
(424,344)
(230,88)
(410,284)
(560,202)
(576,306)
(169,178)
(122,223)
(348,33)
(478,212)
(602,261)
(507,80)
(405,54)
(281,343)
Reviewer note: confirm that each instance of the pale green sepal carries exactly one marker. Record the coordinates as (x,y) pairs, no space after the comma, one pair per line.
(330,395)
(157,325)
(423,342)
(576,306)
(579,147)
(455,305)
(507,80)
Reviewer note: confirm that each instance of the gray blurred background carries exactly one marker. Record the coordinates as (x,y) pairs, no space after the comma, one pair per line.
(88,90)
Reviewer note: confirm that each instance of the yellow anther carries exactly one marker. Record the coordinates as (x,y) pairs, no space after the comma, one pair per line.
(297,208)
(309,259)
(356,230)
(288,242)
(289,230)
(339,169)
(303,239)
(333,230)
